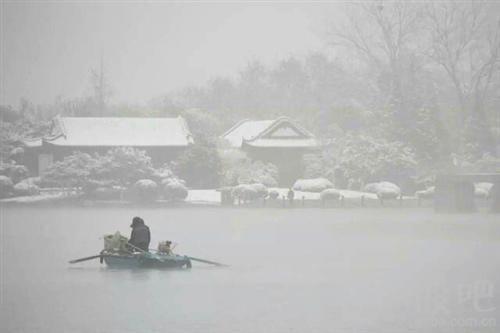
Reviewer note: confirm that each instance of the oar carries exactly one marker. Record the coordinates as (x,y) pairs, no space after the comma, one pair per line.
(101,255)
(208,261)
(87,258)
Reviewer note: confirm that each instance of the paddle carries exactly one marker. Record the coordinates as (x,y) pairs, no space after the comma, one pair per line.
(86,258)
(208,261)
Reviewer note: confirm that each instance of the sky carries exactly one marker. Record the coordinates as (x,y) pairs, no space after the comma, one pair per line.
(48,49)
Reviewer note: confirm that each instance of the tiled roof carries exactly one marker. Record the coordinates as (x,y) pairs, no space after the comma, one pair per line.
(107,132)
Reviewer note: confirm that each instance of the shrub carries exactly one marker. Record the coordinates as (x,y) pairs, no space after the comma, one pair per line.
(312,185)
(238,169)
(174,189)
(387,190)
(364,159)
(273,194)
(249,192)
(26,188)
(199,165)
(144,190)
(6,187)
(76,170)
(15,172)
(330,194)
(124,166)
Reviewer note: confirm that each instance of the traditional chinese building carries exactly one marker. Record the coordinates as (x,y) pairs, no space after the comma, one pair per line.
(162,138)
(281,142)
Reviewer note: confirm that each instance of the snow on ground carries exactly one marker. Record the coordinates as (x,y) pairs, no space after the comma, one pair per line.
(42,197)
(212,196)
(203,196)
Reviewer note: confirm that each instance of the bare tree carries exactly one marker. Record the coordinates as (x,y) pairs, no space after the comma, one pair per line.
(102,90)
(464,40)
(383,36)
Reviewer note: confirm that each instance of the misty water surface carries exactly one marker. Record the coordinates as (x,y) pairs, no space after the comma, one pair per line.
(301,270)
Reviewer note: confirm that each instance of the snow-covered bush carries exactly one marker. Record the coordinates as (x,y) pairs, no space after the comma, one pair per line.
(273,194)
(312,185)
(249,192)
(387,190)
(6,187)
(26,188)
(144,190)
(239,169)
(370,188)
(363,159)
(15,172)
(330,194)
(174,189)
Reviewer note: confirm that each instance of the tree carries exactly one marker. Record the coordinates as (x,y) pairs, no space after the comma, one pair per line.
(125,166)
(465,43)
(77,170)
(199,165)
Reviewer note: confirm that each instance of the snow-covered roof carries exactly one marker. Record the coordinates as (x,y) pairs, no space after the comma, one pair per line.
(108,132)
(278,133)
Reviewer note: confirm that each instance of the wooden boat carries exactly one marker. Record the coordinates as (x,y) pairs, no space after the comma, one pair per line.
(144,260)
(118,253)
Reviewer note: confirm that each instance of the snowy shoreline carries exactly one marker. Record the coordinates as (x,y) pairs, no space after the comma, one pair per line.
(208,197)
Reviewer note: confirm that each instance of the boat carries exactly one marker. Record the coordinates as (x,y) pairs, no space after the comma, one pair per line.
(144,260)
(119,253)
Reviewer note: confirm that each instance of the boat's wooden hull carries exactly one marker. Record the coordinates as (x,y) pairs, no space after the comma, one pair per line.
(148,260)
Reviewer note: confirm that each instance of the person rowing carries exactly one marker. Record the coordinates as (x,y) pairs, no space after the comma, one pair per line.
(140,236)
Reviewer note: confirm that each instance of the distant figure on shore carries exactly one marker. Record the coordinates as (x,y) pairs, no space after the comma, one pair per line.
(290,196)
(140,236)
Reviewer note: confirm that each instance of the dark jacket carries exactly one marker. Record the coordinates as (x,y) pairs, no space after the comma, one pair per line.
(140,236)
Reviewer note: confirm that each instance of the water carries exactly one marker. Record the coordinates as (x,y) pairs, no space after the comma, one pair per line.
(301,270)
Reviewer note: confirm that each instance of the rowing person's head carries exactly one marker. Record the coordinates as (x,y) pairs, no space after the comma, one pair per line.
(136,221)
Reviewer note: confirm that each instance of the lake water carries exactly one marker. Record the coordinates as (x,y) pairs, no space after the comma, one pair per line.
(300,270)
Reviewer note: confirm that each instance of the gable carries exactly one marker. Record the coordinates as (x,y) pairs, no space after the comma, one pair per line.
(285,132)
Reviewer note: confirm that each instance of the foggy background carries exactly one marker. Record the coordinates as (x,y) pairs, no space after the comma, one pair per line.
(148,49)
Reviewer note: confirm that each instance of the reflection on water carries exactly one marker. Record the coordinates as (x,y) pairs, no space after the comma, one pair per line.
(290,271)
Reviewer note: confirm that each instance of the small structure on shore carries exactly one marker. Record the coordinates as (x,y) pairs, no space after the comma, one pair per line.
(162,138)
(280,141)
(455,192)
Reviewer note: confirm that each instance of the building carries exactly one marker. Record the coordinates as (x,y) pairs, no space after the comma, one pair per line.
(162,138)
(281,142)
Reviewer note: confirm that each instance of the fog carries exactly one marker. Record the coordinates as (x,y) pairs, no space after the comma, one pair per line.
(255,166)
(148,49)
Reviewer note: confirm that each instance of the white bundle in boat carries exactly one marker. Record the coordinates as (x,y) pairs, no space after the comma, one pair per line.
(115,242)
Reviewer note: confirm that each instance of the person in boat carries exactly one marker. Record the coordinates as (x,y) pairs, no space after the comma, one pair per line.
(141,235)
